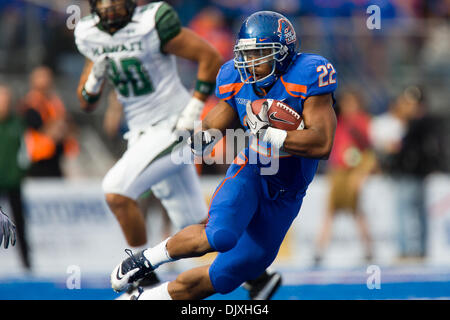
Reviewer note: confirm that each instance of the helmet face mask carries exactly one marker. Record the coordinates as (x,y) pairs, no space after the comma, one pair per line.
(247,57)
(265,37)
(113,14)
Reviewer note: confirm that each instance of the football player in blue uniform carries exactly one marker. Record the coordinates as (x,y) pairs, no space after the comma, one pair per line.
(250,212)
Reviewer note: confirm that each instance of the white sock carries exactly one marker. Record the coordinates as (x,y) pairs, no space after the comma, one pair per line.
(139,248)
(158,255)
(157,293)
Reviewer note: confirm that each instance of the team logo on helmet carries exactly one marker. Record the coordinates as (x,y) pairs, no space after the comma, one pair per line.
(286,31)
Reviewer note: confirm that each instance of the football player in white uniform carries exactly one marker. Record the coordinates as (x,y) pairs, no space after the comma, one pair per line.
(135,47)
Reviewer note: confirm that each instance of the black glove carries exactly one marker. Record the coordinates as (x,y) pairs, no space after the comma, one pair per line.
(201,143)
(7,230)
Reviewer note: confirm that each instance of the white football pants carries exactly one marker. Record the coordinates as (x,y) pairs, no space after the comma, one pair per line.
(176,185)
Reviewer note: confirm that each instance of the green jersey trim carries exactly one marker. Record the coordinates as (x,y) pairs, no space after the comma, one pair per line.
(168,24)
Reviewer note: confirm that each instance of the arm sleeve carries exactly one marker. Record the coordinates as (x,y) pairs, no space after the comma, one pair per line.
(168,24)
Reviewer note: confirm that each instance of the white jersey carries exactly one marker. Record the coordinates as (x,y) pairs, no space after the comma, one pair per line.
(145,79)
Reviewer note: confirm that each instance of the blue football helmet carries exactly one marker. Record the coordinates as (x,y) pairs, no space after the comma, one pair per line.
(273,36)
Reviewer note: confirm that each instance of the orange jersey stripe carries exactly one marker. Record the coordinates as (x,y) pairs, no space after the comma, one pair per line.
(292,87)
(236,87)
(225,180)
(230,87)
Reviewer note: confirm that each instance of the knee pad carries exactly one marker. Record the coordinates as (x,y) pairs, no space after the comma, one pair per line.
(224,283)
(222,239)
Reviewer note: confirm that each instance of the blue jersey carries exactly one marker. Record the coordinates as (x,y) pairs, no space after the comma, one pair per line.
(308,75)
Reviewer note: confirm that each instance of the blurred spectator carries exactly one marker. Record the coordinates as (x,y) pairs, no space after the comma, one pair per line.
(187,9)
(425,147)
(11,37)
(422,151)
(351,161)
(286,7)
(388,129)
(13,164)
(388,133)
(49,134)
(434,56)
(238,8)
(210,24)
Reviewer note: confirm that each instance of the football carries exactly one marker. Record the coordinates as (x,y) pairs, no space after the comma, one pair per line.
(281,115)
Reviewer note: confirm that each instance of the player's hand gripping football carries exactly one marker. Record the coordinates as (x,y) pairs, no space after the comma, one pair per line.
(7,230)
(258,123)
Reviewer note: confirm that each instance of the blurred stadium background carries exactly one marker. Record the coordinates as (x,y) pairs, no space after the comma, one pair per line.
(401,250)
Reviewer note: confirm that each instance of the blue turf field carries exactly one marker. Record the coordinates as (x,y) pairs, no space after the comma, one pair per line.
(322,285)
(39,290)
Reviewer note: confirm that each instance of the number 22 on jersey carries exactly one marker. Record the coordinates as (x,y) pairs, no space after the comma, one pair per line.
(324,72)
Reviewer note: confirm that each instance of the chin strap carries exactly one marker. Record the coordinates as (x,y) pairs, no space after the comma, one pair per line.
(270,80)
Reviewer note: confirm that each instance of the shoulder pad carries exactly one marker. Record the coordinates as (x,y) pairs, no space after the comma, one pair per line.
(85,29)
(315,72)
(84,26)
(144,17)
(228,81)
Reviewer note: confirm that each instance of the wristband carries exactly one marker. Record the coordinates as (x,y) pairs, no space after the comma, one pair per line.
(275,137)
(205,87)
(89,98)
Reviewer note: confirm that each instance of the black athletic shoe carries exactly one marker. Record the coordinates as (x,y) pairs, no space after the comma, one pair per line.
(150,280)
(132,269)
(263,287)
